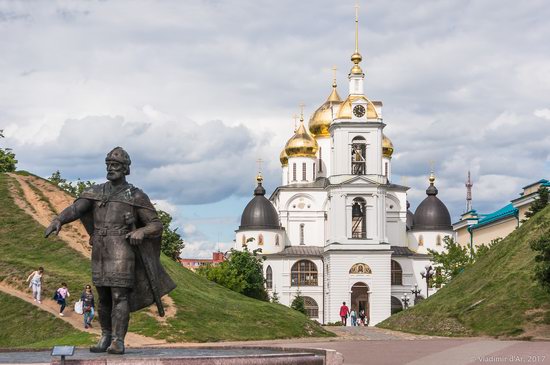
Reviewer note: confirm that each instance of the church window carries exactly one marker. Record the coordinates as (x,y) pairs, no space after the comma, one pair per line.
(269,278)
(243,240)
(302,233)
(438,240)
(358,156)
(313,171)
(260,240)
(358,221)
(312,309)
(386,169)
(303,273)
(396,273)
(320,159)
(294,172)
(396,305)
(304,172)
(421,240)
(276,240)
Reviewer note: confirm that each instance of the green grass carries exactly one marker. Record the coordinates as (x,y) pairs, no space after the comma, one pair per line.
(24,325)
(511,301)
(205,310)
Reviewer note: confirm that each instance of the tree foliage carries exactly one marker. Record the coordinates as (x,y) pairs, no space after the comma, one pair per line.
(73,188)
(8,162)
(298,303)
(451,262)
(241,272)
(275,297)
(542,259)
(539,204)
(172,243)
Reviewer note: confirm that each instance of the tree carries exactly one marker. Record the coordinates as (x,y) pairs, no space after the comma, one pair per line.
(539,204)
(452,261)
(75,189)
(241,272)
(7,158)
(298,303)
(542,259)
(483,249)
(172,243)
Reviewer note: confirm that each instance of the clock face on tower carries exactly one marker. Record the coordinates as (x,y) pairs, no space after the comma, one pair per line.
(359,111)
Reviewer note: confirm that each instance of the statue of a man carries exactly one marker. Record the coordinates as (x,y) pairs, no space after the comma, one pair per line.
(125,234)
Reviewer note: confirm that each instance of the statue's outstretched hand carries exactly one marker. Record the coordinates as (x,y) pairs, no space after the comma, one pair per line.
(136,237)
(54,227)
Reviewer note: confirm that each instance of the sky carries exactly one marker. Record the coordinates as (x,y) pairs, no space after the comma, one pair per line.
(197,91)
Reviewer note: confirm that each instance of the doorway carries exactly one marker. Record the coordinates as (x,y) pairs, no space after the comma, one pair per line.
(360,299)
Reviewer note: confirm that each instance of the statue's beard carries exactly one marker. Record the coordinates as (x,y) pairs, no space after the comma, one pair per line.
(114,175)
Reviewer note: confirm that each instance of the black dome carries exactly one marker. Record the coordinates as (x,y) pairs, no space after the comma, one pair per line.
(432,214)
(259,212)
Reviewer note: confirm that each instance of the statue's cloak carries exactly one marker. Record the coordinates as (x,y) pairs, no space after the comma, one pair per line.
(141,295)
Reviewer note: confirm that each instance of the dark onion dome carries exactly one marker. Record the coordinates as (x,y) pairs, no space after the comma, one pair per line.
(410,217)
(432,214)
(259,212)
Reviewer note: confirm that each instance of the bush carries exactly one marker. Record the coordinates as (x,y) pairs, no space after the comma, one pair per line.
(298,303)
(7,158)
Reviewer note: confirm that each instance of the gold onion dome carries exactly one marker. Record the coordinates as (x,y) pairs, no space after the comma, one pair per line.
(302,144)
(345,111)
(387,146)
(319,123)
(283,158)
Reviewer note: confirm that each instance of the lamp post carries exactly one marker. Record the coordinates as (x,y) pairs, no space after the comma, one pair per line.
(428,274)
(405,299)
(415,291)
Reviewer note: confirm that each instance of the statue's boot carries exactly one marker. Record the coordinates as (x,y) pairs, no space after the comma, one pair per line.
(117,347)
(103,343)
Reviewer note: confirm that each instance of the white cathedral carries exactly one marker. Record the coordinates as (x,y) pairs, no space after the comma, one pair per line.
(337,229)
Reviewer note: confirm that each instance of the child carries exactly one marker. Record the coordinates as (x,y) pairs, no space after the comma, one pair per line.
(62,293)
(35,279)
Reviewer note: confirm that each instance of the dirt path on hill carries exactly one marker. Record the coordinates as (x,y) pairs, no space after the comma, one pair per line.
(75,319)
(44,208)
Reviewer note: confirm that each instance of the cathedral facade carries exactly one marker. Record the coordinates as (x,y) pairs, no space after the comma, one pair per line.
(338,229)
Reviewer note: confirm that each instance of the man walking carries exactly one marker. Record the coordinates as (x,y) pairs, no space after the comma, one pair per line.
(344,311)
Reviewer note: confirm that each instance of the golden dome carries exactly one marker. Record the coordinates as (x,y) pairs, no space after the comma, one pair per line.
(319,122)
(387,146)
(345,111)
(283,158)
(302,144)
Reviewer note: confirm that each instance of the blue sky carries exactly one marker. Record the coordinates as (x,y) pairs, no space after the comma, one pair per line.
(196,91)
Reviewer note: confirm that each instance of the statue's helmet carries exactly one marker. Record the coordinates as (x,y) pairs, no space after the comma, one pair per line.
(118,154)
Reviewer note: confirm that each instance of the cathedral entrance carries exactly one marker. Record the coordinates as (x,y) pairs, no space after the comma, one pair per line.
(360,299)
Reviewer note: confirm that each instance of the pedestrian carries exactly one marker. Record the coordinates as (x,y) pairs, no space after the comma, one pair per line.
(61,297)
(88,306)
(353,316)
(362,317)
(35,279)
(344,311)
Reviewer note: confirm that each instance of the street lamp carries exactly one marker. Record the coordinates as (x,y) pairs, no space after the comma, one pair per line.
(428,274)
(405,299)
(415,291)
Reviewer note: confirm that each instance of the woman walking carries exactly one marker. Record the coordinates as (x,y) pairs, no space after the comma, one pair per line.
(61,295)
(88,306)
(35,279)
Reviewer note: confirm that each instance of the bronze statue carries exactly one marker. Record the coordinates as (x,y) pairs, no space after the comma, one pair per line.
(125,234)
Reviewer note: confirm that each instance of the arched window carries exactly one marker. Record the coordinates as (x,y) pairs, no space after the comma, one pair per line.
(312,309)
(276,240)
(302,233)
(396,305)
(438,240)
(358,156)
(396,273)
(313,171)
(386,169)
(260,239)
(243,240)
(421,240)
(294,172)
(303,273)
(304,172)
(320,159)
(358,221)
(269,278)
